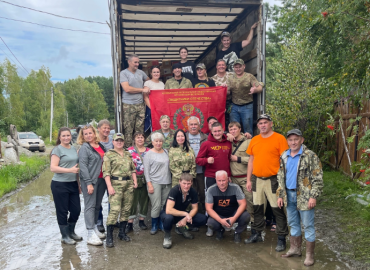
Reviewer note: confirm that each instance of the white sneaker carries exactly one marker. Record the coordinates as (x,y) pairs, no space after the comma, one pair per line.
(99,234)
(93,239)
(209,232)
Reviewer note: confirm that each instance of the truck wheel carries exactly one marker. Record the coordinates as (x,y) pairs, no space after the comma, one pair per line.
(41,150)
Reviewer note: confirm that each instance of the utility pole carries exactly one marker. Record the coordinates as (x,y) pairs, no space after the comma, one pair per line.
(51,113)
(67,119)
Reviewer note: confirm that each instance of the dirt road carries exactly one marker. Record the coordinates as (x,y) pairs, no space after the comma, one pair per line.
(30,239)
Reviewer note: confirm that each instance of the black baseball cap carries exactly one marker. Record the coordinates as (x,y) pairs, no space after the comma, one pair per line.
(295,132)
(177,65)
(264,116)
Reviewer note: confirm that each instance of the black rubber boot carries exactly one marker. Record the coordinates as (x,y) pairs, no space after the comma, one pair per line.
(220,234)
(237,238)
(64,230)
(254,238)
(109,239)
(167,242)
(184,232)
(129,227)
(122,234)
(281,244)
(142,225)
(116,225)
(72,234)
(101,228)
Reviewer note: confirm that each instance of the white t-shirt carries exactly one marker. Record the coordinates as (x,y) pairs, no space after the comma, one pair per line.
(154,86)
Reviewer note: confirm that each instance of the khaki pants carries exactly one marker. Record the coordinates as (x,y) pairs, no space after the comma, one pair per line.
(121,201)
(242,182)
(266,188)
(133,120)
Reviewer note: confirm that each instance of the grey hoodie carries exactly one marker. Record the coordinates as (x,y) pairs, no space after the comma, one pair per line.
(90,163)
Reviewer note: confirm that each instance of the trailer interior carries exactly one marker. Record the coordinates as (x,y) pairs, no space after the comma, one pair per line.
(155,30)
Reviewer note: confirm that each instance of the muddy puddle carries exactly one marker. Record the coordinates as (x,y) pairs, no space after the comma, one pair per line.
(30,239)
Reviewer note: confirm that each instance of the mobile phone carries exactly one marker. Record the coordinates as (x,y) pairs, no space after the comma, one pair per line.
(228,221)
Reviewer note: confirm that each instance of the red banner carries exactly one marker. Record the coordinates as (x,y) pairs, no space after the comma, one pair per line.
(180,104)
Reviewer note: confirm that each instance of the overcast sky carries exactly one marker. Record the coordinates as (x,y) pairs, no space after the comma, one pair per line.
(67,54)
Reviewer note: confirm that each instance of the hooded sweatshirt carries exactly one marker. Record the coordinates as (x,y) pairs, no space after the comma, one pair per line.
(220,151)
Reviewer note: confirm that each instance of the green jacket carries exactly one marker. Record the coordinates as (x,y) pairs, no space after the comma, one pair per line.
(309,178)
(174,84)
(116,165)
(180,161)
(167,140)
(240,167)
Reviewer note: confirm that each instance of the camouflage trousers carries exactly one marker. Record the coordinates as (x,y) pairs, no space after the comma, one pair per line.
(242,182)
(133,120)
(265,188)
(140,203)
(121,201)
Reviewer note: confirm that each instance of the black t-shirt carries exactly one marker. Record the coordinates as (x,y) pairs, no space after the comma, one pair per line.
(189,70)
(230,55)
(176,196)
(179,81)
(202,83)
(225,203)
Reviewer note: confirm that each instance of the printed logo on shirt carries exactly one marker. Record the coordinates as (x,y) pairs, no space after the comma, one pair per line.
(224,203)
(187,69)
(201,85)
(230,60)
(219,147)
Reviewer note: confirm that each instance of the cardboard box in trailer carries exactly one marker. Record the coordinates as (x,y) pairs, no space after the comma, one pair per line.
(156,29)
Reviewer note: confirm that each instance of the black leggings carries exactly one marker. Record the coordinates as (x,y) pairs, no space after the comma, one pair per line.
(66,199)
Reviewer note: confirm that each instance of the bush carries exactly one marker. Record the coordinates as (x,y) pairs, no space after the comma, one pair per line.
(12,175)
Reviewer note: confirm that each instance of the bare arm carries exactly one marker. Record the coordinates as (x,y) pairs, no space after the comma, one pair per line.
(132,90)
(146,100)
(246,42)
(249,173)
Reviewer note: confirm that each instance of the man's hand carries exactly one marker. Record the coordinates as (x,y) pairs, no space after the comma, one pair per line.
(182,222)
(189,219)
(229,179)
(311,203)
(210,160)
(150,189)
(146,90)
(280,203)
(224,85)
(248,135)
(225,223)
(111,190)
(230,137)
(90,189)
(253,89)
(234,158)
(249,186)
(254,25)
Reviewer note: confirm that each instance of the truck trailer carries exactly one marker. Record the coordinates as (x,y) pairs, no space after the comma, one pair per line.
(156,29)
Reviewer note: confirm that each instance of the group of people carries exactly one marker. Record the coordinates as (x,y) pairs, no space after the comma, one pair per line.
(222,180)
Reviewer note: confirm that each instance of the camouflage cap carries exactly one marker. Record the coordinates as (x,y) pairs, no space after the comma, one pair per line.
(294,132)
(225,34)
(164,117)
(264,116)
(117,136)
(201,65)
(239,62)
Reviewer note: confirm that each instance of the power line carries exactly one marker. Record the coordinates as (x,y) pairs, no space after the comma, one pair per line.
(11,60)
(74,30)
(14,55)
(56,15)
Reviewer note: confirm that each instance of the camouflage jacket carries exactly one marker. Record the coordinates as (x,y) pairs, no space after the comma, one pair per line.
(309,178)
(174,84)
(180,161)
(240,88)
(221,80)
(167,140)
(116,165)
(240,167)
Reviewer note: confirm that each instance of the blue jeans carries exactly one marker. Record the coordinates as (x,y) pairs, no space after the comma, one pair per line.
(244,115)
(295,216)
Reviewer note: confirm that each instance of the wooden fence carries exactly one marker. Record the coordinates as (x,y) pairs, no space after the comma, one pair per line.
(347,110)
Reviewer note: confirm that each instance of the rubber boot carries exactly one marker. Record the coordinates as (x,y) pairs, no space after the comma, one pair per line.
(281,244)
(184,232)
(122,234)
(237,238)
(254,238)
(64,230)
(72,234)
(295,247)
(220,234)
(154,226)
(160,226)
(109,239)
(310,251)
(129,227)
(167,242)
(142,225)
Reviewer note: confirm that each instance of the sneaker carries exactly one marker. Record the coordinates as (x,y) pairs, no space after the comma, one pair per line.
(281,245)
(220,234)
(184,232)
(98,233)
(209,232)
(93,239)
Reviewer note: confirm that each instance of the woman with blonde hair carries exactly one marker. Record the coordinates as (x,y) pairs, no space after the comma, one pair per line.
(93,184)
(202,81)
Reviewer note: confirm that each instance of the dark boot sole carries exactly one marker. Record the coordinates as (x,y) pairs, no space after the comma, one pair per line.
(127,239)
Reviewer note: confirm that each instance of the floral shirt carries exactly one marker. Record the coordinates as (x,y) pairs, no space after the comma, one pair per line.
(136,159)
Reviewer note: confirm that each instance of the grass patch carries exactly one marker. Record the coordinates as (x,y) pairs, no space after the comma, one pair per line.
(12,175)
(353,217)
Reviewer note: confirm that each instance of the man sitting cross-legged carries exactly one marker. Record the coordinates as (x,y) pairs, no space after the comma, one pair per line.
(174,211)
(225,205)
